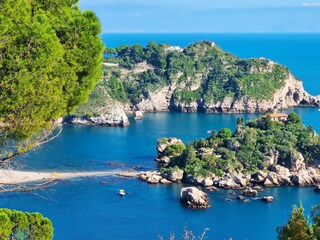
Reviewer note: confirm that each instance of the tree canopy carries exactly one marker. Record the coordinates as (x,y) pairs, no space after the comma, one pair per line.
(50,60)
(20,225)
(249,147)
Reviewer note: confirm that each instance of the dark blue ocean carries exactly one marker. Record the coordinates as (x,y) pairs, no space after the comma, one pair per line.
(85,209)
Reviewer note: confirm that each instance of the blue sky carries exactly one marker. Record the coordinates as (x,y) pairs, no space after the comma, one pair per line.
(206,15)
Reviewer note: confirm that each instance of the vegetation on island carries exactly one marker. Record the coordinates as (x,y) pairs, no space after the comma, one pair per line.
(201,71)
(51,55)
(23,225)
(248,149)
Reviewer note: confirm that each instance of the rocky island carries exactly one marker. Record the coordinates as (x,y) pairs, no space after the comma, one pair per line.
(273,150)
(200,78)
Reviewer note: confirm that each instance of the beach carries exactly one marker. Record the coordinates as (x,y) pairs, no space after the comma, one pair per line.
(17,177)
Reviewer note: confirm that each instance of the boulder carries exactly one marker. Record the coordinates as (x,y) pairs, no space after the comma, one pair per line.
(239,179)
(138,115)
(258,177)
(273,179)
(226,183)
(250,192)
(267,183)
(175,175)
(143,177)
(194,198)
(154,179)
(208,182)
(165,181)
(267,199)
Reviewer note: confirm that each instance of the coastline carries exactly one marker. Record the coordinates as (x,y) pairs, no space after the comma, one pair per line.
(10,177)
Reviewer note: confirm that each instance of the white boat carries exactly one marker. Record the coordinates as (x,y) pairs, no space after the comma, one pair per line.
(121,192)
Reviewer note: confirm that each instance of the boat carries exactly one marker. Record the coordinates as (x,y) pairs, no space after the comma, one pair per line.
(121,192)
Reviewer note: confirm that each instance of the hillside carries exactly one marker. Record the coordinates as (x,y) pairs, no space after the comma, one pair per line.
(200,78)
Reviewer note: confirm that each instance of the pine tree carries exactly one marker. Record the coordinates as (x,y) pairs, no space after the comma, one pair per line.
(297,227)
(50,60)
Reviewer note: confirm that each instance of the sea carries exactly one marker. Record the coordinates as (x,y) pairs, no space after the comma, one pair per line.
(85,208)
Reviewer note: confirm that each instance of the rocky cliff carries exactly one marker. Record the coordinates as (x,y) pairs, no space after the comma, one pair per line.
(292,94)
(203,78)
(99,110)
(200,78)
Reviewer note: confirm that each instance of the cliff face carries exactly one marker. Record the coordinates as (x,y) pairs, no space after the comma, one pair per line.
(99,110)
(203,78)
(292,94)
(113,115)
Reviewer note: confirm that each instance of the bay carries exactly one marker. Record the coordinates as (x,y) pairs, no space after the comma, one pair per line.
(86,209)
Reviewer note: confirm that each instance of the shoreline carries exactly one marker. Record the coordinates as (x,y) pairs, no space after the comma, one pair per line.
(11,177)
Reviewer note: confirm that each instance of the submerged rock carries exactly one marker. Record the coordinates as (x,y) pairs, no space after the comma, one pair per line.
(194,198)
(317,189)
(241,198)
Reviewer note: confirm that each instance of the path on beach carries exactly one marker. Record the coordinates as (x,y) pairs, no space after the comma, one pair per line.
(16,177)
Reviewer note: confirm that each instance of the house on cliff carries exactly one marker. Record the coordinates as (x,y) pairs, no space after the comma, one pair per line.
(276,117)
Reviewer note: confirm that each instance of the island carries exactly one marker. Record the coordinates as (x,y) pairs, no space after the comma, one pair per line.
(272,150)
(199,78)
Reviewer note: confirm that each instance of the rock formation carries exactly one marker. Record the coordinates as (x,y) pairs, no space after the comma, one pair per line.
(191,197)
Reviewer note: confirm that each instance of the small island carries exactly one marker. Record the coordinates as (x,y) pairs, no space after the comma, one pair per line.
(273,150)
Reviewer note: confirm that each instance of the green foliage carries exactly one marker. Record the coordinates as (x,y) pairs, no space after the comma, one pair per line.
(262,86)
(225,133)
(216,73)
(117,90)
(297,227)
(174,150)
(294,118)
(245,150)
(51,55)
(19,225)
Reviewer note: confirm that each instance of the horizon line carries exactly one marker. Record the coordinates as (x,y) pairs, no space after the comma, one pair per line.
(301,32)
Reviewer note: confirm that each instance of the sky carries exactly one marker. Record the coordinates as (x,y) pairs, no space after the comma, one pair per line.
(153,16)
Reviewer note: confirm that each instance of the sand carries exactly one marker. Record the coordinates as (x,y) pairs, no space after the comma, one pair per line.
(16,177)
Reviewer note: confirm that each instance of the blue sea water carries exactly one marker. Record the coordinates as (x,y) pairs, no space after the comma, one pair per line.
(85,209)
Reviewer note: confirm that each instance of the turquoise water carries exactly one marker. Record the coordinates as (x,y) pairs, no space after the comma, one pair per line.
(85,209)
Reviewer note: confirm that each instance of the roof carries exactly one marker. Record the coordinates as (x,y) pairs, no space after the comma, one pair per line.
(275,115)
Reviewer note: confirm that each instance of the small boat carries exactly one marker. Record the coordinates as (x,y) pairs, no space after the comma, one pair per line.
(209,131)
(121,192)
